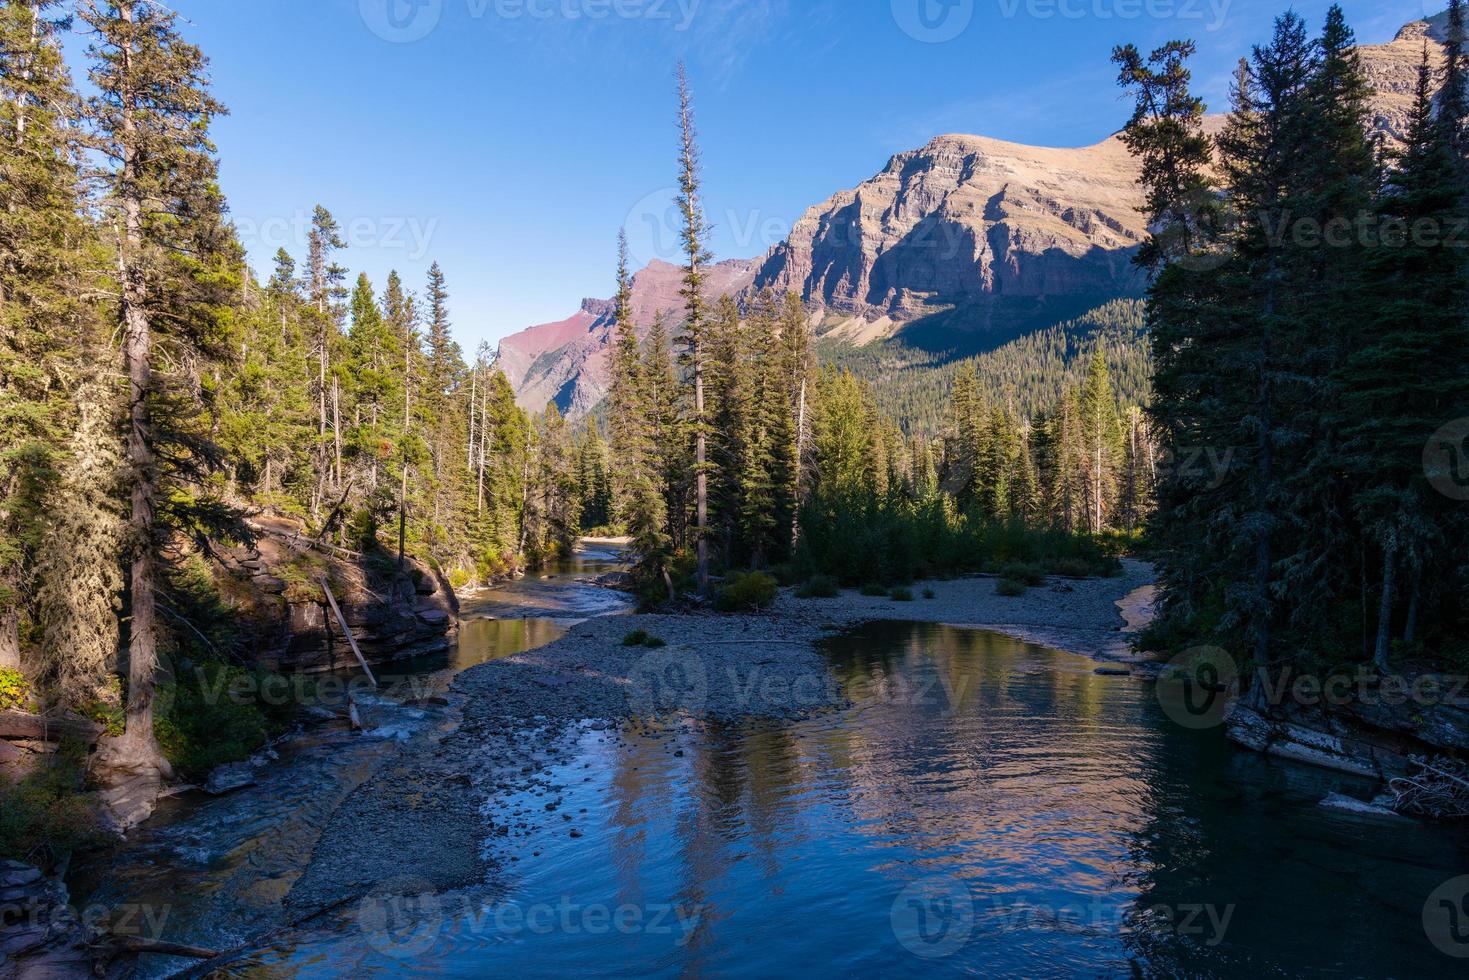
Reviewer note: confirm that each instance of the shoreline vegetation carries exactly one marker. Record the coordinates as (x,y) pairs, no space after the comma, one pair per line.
(167,399)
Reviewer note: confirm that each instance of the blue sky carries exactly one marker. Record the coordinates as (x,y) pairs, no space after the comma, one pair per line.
(510,139)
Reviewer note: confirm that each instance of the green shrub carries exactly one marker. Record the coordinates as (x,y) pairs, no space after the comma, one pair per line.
(928,593)
(655,642)
(1072,567)
(1024,572)
(44,818)
(14,689)
(635,639)
(217,715)
(819,587)
(458,578)
(1011,587)
(901,595)
(750,592)
(874,590)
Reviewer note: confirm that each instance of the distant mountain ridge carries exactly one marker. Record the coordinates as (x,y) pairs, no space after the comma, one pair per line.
(959,247)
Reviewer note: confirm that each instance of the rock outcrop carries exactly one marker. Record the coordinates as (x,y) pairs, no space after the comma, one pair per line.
(969,222)
(42,936)
(394,615)
(1374,733)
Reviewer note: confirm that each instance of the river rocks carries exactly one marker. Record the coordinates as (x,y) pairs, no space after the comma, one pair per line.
(230,777)
(1349,804)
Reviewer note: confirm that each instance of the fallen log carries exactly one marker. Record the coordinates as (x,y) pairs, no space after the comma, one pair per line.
(351,640)
(48,728)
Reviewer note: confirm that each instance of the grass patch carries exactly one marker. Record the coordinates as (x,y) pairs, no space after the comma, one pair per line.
(874,590)
(819,587)
(1011,587)
(901,595)
(635,639)
(928,593)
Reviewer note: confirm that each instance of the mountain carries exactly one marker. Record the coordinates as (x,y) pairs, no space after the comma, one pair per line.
(967,235)
(567,361)
(953,249)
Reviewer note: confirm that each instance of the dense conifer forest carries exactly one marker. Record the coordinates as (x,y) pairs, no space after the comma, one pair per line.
(1258,423)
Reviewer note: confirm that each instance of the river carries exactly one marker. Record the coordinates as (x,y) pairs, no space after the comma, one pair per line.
(984,807)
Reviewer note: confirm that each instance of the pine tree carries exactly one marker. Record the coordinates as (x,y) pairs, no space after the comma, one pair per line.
(152,113)
(1099,433)
(1166,134)
(694,235)
(1405,376)
(42,324)
(325,291)
(79,581)
(664,492)
(627,416)
(790,432)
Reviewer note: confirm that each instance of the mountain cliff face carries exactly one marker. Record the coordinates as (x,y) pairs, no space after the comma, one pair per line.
(994,229)
(961,245)
(566,362)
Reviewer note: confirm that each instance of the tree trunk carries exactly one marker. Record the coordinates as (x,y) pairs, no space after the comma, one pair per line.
(1410,629)
(138,353)
(800,462)
(1265,470)
(1384,611)
(337,431)
(701,475)
(473,404)
(402,517)
(10,638)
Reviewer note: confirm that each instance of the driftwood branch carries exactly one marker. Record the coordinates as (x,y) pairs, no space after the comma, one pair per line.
(1437,788)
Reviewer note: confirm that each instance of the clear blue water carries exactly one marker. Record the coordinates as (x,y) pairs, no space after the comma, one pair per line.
(985,808)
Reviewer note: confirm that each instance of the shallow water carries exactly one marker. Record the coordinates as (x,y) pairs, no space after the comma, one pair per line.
(986,807)
(212,871)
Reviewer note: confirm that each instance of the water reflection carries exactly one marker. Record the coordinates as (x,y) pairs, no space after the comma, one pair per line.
(986,807)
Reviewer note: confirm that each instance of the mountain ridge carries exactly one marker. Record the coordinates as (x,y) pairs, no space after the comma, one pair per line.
(960,245)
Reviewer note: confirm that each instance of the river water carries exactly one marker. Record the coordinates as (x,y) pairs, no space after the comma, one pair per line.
(985,807)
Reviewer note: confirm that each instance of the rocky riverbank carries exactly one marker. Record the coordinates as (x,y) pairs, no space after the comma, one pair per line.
(520,716)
